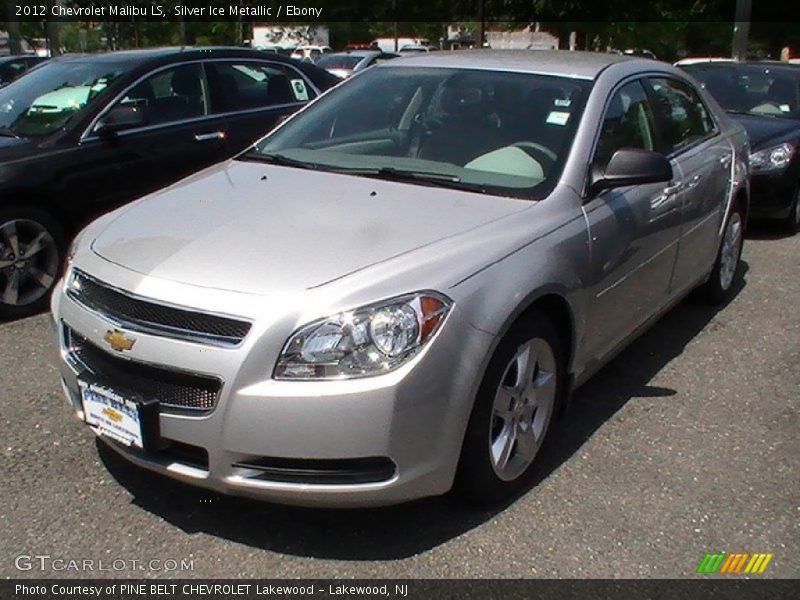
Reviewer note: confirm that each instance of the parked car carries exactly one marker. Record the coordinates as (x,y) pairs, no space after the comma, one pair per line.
(82,134)
(12,67)
(344,64)
(765,98)
(310,53)
(391,44)
(642,52)
(411,49)
(396,289)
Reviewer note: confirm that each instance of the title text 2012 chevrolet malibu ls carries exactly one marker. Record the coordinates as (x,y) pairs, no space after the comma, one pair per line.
(394,291)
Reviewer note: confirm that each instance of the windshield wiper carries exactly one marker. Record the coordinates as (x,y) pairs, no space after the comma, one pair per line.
(437,179)
(278,159)
(8,132)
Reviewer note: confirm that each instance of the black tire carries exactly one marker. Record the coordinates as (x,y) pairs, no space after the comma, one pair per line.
(719,287)
(791,224)
(34,274)
(477,479)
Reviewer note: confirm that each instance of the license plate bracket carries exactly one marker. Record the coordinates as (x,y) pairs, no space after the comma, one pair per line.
(125,417)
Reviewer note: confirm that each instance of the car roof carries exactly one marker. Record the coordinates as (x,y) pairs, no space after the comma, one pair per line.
(774,65)
(359,53)
(143,55)
(579,65)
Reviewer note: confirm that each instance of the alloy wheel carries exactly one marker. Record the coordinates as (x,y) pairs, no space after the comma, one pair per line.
(523,406)
(29,262)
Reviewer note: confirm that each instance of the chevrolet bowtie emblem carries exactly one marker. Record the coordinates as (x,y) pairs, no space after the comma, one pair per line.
(118,340)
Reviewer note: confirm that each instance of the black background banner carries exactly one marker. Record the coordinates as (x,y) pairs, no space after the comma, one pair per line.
(626,589)
(507,11)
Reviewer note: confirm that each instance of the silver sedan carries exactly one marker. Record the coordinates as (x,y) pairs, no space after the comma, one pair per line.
(395,292)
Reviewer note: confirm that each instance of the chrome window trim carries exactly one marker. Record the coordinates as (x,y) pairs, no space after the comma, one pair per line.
(88,133)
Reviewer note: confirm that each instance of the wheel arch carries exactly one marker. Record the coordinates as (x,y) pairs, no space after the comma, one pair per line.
(554,304)
(27,198)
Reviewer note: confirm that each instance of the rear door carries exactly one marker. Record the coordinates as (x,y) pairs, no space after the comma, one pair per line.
(252,96)
(691,138)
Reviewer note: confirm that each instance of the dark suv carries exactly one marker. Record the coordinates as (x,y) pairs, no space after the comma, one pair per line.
(80,135)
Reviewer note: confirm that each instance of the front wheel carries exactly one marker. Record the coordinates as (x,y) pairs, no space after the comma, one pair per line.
(719,286)
(513,411)
(32,247)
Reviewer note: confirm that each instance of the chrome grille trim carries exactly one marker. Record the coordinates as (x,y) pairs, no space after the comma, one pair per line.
(136,313)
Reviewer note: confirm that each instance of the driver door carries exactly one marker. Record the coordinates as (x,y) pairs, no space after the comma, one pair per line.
(179,136)
(634,230)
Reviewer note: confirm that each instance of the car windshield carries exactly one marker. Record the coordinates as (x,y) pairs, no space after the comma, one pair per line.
(493,132)
(333,61)
(48,97)
(751,89)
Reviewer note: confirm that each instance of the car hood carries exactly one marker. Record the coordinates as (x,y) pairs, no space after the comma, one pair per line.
(762,130)
(260,229)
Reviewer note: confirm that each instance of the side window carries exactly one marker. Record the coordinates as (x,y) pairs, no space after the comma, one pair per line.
(11,70)
(628,123)
(681,111)
(245,85)
(171,95)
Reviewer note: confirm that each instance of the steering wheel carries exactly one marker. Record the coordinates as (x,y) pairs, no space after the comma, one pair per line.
(541,154)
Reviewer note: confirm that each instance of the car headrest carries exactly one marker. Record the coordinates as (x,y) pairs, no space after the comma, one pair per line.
(186,83)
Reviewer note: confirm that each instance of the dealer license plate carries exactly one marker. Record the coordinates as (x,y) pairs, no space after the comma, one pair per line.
(111,414)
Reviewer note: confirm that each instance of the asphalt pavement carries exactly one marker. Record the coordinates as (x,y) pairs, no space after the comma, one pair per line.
(687,443)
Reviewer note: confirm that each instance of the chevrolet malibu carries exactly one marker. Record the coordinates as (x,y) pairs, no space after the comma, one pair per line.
(394,292)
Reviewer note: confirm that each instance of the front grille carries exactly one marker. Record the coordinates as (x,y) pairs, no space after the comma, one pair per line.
(341,471)
(173,389)
(147,316)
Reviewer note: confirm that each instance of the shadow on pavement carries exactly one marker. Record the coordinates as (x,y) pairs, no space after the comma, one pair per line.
(403,531)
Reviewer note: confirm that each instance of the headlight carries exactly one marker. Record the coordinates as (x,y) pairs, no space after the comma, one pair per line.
(772,159)
(367,341)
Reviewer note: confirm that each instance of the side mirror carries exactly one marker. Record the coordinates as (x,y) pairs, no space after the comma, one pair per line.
(118,119)
(631,166)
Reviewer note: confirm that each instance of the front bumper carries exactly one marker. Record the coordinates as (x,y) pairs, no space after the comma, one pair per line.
(412,419)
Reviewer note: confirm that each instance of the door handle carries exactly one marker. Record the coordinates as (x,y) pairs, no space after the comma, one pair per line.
(725,160)
(693,182)
(673,189)
(206,137)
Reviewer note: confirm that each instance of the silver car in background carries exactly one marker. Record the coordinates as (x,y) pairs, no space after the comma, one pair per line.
(396,290)
(345,64)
